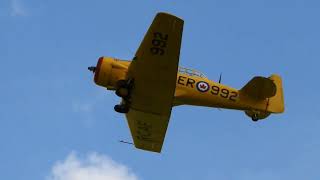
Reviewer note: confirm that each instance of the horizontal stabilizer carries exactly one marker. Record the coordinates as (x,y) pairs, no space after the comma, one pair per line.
(259,88)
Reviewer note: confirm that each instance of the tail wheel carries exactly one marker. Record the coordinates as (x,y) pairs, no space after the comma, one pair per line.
(255,117)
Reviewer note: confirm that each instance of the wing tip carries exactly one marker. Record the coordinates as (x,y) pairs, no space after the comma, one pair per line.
(149,149)
(169,15)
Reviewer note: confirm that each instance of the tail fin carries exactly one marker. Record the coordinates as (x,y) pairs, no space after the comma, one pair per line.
(276,103)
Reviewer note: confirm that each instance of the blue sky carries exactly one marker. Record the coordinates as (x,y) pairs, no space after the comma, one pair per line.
(56,123)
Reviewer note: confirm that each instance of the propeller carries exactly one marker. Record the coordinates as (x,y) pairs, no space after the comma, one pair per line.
(92,69)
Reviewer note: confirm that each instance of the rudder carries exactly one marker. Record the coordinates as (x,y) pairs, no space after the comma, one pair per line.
(276,103)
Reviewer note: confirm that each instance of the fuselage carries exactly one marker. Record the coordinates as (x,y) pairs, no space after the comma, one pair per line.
(200,91)
(191,88)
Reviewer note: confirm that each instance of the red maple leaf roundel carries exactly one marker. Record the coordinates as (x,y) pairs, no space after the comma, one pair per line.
(202,86)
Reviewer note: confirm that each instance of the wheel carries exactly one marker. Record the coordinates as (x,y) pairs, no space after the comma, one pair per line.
(255,118)
(121,108)
(121,84)
(122,92)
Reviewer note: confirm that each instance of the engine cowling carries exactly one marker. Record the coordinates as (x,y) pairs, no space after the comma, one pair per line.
(109,70)
(257,115)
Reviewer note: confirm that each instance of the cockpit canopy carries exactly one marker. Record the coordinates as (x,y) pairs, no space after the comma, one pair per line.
(191,72)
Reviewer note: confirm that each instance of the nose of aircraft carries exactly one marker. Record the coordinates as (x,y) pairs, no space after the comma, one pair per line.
(92,69)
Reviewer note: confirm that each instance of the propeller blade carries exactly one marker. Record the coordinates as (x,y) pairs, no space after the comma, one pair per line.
(92,68)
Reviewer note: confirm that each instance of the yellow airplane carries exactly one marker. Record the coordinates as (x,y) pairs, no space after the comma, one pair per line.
(152,83)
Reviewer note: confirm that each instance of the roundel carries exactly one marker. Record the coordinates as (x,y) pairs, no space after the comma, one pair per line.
(202,86)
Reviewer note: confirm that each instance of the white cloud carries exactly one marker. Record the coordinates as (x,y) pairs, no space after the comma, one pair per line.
(18,9)
(92,167)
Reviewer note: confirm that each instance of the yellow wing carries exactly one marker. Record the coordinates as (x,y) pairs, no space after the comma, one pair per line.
(154,73)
